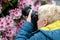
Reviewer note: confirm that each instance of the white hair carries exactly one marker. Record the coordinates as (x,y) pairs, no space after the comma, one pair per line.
(49,12)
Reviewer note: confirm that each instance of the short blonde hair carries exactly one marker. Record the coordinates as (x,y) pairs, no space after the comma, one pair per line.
(51,12)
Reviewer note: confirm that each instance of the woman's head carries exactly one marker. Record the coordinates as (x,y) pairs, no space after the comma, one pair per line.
(48,14)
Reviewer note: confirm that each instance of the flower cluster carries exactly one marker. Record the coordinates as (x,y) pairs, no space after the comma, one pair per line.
(4,38)
(20,25)
(2,24)
(15,13)
(10,32)
(9,27)
(6,22)
(30,2)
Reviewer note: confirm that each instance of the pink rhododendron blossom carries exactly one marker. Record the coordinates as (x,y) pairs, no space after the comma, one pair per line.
(2,24)
(4,38)
(15,13)
(27,2)
(10,22)
(36,7)
(20,25)
(10,32)
(6,22)
(30,2)
(21,6)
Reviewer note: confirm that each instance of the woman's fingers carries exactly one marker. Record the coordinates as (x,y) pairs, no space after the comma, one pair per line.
(30,13)
(29,16)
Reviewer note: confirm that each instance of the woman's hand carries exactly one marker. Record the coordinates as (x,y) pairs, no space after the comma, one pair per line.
(29,16)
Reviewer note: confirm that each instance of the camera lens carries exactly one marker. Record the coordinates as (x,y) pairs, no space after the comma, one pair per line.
(26,10)
(34,15)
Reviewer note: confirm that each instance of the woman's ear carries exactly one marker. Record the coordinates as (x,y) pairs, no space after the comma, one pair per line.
(45,22)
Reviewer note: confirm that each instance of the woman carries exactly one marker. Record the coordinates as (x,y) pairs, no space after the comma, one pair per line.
(48,25)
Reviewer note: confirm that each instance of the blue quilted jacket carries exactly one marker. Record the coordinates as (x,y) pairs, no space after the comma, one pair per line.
(50,32)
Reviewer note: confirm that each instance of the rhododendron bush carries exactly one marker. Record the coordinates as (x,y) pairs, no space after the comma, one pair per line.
(11,17)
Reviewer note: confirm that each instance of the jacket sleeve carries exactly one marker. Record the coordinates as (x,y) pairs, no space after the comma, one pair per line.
(25,31)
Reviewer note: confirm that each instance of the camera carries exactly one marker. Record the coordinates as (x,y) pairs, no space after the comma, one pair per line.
(34,15)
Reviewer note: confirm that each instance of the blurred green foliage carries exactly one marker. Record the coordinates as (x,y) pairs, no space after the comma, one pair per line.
(7,6)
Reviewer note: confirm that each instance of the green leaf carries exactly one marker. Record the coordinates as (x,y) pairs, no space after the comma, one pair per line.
(14,1)
(5,5)
(11,4)
(2,14)
(16,20)
(43,3)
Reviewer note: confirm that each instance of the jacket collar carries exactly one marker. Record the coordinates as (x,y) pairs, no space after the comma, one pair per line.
(52,26)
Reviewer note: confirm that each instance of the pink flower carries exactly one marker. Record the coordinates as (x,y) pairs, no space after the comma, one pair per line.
(21,6)
(27,2)
(10,22)
(30,2)
(36,7)
(15,13)
(4,38)
(8,18)
(10,32)
(20,25)
(2,24)
(6,22)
